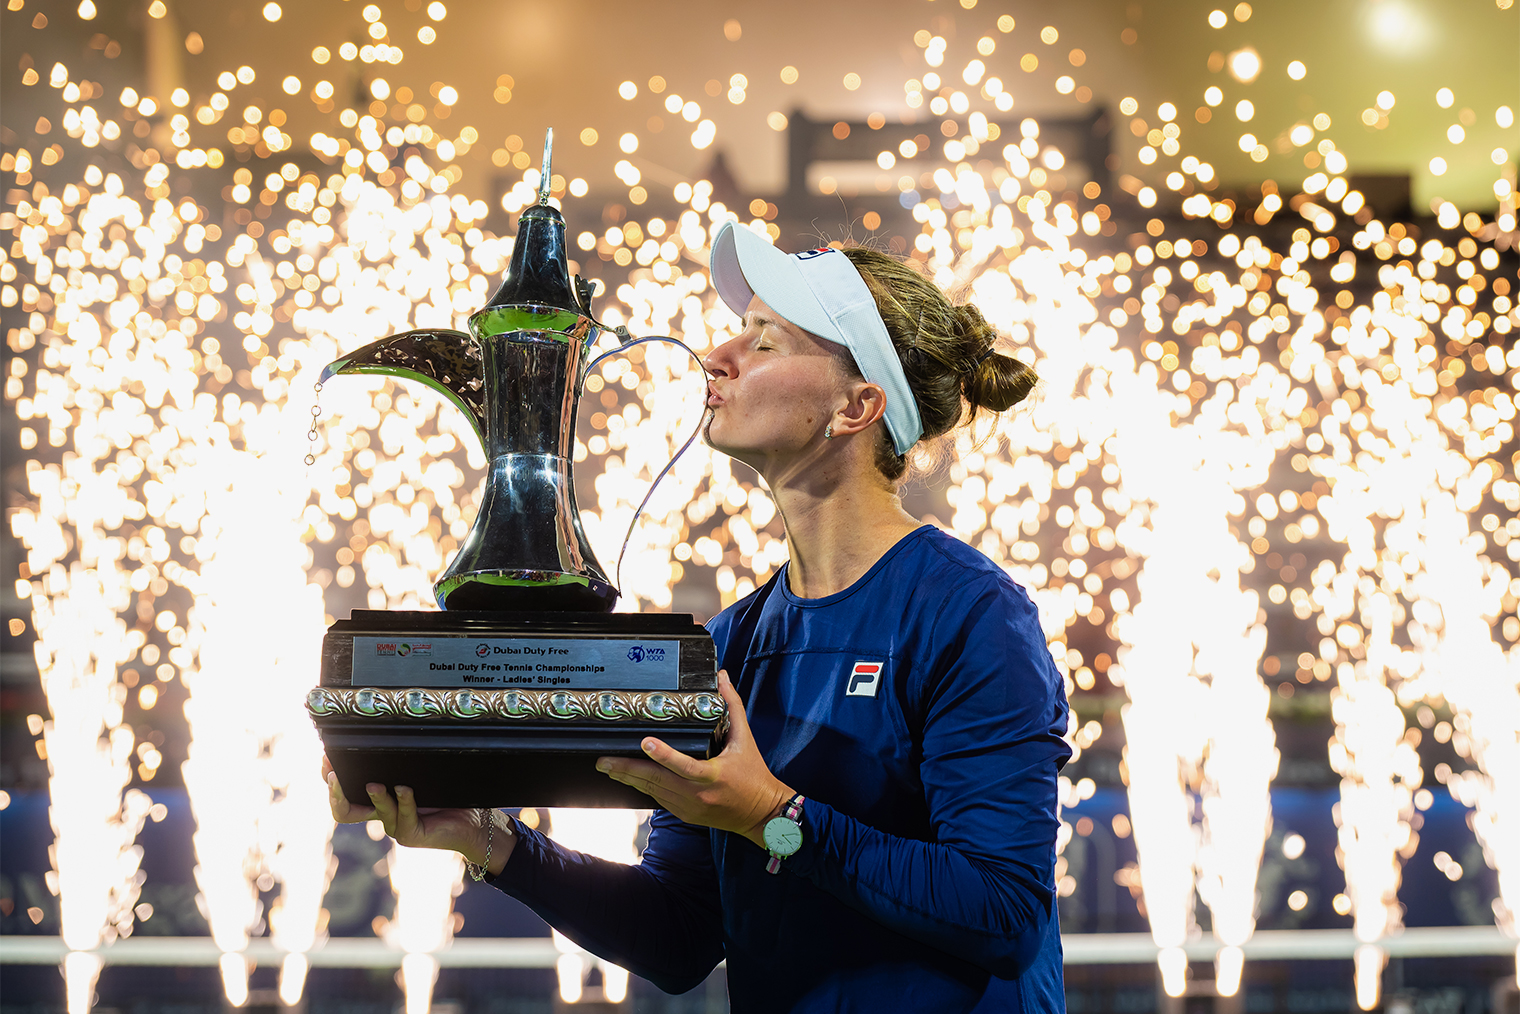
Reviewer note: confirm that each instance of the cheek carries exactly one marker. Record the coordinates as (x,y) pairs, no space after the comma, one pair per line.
(794,392)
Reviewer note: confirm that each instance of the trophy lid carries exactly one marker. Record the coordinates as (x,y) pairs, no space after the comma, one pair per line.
(539,273)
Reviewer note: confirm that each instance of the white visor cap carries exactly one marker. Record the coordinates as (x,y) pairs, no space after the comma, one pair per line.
(821,292)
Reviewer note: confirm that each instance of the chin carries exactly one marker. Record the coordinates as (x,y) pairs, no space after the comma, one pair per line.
(719,441)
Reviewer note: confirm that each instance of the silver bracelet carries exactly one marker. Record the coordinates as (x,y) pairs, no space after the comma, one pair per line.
(479,872)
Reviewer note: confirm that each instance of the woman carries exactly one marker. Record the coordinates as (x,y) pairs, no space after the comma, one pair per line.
(879,831)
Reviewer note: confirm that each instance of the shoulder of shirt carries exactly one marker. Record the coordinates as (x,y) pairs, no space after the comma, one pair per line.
(973,600)
(967,562)
(951,573)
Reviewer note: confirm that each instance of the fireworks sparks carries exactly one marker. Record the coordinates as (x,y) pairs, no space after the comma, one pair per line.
(260,819)
(1233,428)
(426,881)
(606,834)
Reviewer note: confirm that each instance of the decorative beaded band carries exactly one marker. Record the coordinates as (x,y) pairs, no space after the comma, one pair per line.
(516,705)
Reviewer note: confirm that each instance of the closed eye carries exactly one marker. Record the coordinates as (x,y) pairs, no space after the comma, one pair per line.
(766,330)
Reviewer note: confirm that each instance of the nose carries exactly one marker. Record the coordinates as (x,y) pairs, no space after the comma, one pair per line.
(719,362)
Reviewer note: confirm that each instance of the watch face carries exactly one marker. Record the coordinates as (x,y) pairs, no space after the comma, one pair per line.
(783,836)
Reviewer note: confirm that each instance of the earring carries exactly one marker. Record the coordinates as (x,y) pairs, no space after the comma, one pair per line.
(828,432)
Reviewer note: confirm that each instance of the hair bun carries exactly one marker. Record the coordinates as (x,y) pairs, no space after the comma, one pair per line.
(989,379)
(998,382)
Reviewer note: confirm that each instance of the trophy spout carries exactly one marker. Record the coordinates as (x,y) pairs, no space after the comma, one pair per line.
(449,362)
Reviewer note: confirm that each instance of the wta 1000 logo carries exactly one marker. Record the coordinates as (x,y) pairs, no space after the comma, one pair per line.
(639,653)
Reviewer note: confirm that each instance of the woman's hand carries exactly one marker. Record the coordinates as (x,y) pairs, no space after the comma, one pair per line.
(343,811)
(427,827)
(734,791)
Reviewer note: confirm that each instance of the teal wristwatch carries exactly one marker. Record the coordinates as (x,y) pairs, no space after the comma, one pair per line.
(783,834)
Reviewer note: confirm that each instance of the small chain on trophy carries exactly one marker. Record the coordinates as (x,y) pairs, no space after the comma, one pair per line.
(312,435)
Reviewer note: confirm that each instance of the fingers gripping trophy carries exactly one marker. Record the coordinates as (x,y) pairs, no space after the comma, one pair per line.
(508,694)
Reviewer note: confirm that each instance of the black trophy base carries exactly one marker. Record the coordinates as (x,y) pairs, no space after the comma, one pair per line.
(497,767)
(474,709)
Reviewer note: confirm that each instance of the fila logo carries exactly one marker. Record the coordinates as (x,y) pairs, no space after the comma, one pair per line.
(808,255)
(865,677)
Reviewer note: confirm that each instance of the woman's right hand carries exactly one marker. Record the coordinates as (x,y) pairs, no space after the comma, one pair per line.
(428,827)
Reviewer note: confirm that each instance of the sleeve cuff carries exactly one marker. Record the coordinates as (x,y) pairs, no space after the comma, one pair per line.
(815,819)
(523,863)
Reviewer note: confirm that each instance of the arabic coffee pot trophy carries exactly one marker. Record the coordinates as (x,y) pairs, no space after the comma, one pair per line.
(508,695)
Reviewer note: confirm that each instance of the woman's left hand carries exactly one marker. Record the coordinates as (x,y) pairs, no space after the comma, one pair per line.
(733,791)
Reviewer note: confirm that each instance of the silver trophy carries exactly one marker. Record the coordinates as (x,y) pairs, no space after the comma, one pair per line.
(518,376)
(507,696)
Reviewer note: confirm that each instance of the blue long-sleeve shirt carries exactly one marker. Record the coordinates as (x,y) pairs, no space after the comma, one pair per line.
(925,878)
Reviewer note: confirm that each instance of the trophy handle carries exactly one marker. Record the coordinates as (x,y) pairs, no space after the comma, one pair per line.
(627,341)
(447,361)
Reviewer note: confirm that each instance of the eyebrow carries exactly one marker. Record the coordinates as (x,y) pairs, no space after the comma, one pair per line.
(751,317)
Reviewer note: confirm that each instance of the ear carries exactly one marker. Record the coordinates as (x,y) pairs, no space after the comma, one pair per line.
(864,403)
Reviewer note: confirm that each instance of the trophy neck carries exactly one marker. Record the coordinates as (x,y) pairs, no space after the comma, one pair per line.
(532,379)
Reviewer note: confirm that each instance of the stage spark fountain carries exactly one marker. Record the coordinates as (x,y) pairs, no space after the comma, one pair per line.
(377,243)
(1191,477)
(1371,751)
(81,643)
(426,881)
(1482,686)
(260,822)
(607,834)
(1413,562)
(80,580)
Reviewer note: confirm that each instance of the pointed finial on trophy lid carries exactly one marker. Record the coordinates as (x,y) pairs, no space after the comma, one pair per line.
(539,274)
(544,180)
